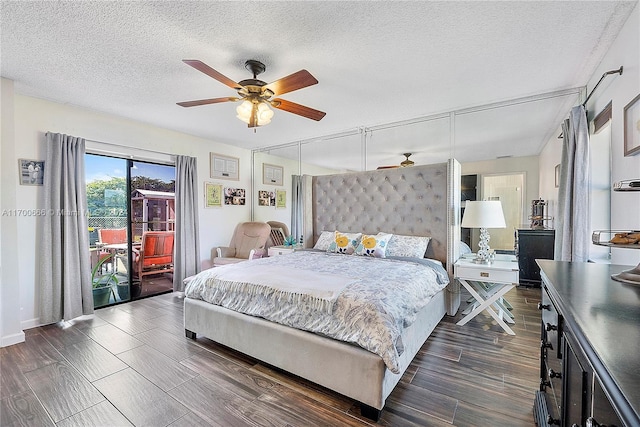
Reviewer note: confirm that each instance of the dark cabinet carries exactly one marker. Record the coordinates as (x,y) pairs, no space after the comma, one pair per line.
(468,191)
(531,245)
(582,382)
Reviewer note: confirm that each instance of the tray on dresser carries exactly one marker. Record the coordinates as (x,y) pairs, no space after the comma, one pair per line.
(603,237)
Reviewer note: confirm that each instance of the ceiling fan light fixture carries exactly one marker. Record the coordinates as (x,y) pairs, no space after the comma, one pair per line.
(263,112)
(244,111)
(406,162)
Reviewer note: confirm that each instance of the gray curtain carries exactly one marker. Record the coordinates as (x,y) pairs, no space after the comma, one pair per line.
(573,234)
(65,266)
(297,205)
(187,247)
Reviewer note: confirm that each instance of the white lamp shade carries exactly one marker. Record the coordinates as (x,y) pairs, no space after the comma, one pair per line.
(483,214)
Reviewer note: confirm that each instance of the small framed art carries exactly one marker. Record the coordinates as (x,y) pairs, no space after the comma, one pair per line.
(281,199)
(212,195)
(225,167)
(632,127)
(272,174)
(235,196)
(31,172)
(557,175)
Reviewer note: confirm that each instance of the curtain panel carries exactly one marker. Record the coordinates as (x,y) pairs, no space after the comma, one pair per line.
(297,206)
(573,236)
(65,266)
(187,249)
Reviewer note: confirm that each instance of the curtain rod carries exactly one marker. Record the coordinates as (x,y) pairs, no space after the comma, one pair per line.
(131,148)
(618,71)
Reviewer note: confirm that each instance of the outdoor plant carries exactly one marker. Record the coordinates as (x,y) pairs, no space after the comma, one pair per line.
(103,282)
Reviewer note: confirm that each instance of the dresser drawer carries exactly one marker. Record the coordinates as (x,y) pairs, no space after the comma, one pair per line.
(486,274)
(552,324)
(277,250)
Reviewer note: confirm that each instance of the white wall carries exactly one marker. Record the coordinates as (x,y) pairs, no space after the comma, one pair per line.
(32,118)
(620,90)
(10,285)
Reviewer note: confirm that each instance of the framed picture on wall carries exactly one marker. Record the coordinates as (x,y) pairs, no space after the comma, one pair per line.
(281,199)
(632,127)
(31,172)
(224,167)
(558,175)
(272,174)
(212,195)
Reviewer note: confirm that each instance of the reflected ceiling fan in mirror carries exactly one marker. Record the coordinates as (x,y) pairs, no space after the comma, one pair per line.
(403,164)
(256,95)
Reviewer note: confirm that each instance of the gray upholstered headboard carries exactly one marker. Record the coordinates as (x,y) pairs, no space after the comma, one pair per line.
(419,201)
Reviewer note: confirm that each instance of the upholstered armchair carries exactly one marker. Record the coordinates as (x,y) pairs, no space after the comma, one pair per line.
(279,232)
(155,254)
(248,242)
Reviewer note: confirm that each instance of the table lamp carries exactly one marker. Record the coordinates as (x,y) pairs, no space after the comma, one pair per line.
(483,214)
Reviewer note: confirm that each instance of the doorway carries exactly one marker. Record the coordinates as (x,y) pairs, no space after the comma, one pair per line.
(508,189)
(131,207)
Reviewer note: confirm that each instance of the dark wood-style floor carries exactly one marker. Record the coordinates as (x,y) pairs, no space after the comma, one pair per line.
(131,364)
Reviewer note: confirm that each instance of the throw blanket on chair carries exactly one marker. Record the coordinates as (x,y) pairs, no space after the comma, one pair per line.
(315,289)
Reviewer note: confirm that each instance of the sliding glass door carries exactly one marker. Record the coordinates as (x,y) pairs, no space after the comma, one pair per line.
(107,202)
(152,190)
(131,228)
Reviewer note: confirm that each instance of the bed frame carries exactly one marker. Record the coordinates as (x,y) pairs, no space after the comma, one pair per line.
(420,200)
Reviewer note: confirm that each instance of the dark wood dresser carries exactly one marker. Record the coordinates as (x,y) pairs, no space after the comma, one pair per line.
(532,244)
(590,347)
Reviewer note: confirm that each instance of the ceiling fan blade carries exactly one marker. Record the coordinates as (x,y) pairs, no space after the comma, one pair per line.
(201,66)
(298,109)
(292,82)
(206,101)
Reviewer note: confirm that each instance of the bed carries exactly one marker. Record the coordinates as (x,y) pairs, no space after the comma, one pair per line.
(416,201)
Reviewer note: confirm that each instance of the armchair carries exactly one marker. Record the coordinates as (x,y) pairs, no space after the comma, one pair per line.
(248,242)
(155,254)
(279,232)
(110,236)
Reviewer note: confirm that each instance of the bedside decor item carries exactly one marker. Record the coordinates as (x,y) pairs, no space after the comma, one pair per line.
(31,172)
(483,214)
(290,241)
(632,127)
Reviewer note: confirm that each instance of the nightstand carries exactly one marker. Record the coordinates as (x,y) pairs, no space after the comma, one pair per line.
(281,250)
(487,284)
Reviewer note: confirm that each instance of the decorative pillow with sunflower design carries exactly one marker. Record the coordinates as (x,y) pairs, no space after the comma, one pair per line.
(344,243)
(373,246)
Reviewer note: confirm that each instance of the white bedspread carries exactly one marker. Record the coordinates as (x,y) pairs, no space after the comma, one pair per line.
(370,312)
(280,283)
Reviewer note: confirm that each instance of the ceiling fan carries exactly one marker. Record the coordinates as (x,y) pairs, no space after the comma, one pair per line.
(256,95)
(405,163)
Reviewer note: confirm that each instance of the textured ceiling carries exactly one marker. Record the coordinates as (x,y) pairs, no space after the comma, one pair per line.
(376,63)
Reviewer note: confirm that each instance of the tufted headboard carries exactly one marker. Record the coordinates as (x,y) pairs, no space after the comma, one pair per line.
(419,201)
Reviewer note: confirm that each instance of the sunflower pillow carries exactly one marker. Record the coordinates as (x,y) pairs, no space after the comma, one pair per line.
(373,246)
(344,243)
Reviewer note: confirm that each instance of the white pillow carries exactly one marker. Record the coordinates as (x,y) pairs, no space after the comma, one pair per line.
(325,239)
(407,246)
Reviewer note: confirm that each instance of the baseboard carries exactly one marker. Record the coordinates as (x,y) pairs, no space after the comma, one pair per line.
(29,324)
(12,339)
